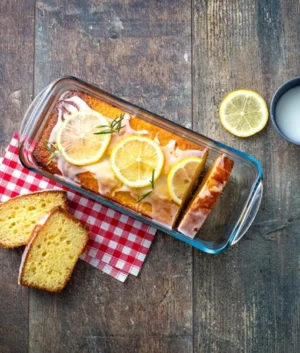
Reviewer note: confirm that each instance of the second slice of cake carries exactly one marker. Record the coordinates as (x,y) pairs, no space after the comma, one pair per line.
(52,252)
(206,196)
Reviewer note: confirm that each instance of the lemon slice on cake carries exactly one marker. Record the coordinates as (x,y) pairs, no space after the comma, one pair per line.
(243,113)
(134,159)
(77,141)
(182,175)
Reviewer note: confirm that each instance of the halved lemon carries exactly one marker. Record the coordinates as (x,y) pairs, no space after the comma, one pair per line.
(244,113)
(76,139)
(182,175)
(134,159)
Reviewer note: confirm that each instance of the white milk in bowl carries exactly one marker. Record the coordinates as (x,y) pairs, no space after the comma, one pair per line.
(287,113)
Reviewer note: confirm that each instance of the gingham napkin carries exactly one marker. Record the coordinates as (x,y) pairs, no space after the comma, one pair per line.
(118,244)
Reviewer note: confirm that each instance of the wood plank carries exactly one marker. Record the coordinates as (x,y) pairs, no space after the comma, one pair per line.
(16,66)
(96,313)
(140,51)
(247,299)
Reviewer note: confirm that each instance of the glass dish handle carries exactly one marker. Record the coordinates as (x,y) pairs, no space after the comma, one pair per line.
(247,220)
(250,214)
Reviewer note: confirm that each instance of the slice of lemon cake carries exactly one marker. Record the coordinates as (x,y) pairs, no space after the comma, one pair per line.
(206,196)
(19,215)
(52,252)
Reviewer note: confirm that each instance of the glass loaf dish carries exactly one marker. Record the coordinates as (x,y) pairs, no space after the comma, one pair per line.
(234,211)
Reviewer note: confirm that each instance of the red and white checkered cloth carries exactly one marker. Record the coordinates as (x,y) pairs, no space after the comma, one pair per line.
(118,244)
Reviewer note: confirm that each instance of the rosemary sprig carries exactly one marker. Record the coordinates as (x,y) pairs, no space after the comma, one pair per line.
(52,149)
(144,196)
(152,179)
(149,192)
(115,126)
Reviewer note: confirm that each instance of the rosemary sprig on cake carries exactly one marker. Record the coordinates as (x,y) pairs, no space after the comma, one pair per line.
(149,192)
(115,126)
(52,149)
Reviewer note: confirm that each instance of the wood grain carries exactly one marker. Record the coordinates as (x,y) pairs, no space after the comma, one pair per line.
(139,51)
(243,301)
(16,67)
(16,64)
(247,299)
(98,314)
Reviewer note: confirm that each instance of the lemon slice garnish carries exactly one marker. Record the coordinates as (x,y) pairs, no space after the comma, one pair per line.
(134,159)
(76,139)
(244,113)
(182,176)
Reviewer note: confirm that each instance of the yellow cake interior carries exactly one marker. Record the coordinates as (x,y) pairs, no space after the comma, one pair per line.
(53,252)
(19,215)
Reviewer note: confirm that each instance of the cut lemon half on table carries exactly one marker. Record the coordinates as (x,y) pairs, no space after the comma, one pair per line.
(76,139)
(243,113)
(181,177)
(134,159)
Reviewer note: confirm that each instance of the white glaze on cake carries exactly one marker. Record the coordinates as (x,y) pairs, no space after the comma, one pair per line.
(108,184)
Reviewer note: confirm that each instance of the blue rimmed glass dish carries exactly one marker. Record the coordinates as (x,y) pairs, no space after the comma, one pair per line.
(235,210)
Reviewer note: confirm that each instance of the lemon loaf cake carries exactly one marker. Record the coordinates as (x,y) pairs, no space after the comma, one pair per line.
(19,215)
(52,252)
(120,156)
(206,196)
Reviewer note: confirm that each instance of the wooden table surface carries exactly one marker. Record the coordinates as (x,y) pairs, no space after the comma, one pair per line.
(178,59)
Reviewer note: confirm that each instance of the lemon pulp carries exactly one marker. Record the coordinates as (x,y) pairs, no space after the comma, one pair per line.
(182,175)
(243,113)
(135,160)
(76,139)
